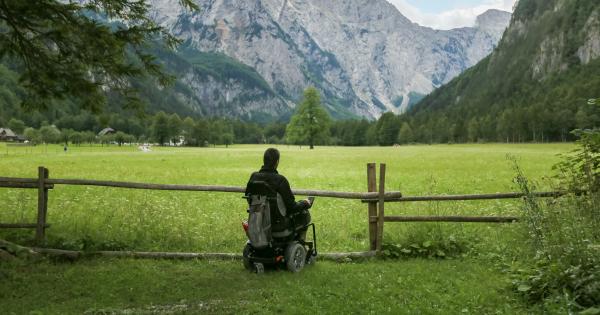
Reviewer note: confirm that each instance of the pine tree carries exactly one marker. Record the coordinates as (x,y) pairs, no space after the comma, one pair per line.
(473,130)
(310,124)
(63,50)
(387,129)
(406,134)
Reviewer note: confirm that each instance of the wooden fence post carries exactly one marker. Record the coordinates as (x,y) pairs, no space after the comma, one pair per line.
(380,217)
(372,187)
(40,232)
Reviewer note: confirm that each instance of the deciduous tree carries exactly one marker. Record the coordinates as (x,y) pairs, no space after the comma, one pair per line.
(33,135)
(16,125)
(187,127)
(174,128)
(49,134)
(160,128)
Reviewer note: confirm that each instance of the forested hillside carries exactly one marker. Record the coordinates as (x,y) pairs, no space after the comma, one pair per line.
(541,82)
(536,86)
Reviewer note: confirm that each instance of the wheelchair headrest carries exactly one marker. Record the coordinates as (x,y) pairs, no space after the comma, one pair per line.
(260,188)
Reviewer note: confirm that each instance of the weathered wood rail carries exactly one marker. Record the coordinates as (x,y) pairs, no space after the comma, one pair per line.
(375,197)
(225,189)
(377,217)
(469,197)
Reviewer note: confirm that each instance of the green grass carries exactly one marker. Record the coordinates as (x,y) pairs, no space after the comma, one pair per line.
(109,218)
(94,218)
(135,286)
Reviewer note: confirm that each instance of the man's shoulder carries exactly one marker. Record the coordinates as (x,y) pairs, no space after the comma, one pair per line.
(281,180)
(273,178)
(259,174)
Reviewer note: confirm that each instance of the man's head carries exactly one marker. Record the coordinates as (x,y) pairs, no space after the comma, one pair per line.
(271,158)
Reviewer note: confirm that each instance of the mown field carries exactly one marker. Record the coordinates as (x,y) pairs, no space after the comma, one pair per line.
(97,218)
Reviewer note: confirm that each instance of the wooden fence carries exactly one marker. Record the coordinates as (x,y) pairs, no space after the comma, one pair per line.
(375,197)
(377,216)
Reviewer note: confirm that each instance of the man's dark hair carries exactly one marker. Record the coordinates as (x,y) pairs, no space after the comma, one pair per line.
(271,157)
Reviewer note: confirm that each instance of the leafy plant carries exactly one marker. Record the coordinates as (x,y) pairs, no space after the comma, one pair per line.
(439,248)
(563,233)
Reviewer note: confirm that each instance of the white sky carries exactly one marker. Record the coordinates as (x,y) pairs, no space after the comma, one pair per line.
(448,14)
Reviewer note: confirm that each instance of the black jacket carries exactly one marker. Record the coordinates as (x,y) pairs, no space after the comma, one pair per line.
(281,185)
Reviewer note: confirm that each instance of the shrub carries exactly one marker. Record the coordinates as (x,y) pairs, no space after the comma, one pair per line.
(563,233)
(427,245)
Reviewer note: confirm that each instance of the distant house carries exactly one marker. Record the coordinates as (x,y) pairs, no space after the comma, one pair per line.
(7,135)
(106,131)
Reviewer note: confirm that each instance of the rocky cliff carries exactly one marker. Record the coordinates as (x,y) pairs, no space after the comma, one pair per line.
(536,84)
(364,56)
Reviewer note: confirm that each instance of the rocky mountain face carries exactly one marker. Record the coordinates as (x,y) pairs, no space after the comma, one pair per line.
(535,86)
(364,56)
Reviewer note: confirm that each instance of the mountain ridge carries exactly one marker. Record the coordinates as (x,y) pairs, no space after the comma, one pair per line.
(365,57)
(533,87)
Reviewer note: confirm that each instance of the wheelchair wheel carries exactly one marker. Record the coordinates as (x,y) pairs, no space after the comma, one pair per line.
(247,263)
(295,257)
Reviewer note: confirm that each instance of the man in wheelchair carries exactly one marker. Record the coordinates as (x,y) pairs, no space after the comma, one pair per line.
(272,205)
(296,212)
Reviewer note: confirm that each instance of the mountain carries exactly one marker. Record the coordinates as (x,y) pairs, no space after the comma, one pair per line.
(537,85)
(252,59)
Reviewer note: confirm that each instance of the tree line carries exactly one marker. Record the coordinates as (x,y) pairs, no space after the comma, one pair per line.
(311,125)
(161,129)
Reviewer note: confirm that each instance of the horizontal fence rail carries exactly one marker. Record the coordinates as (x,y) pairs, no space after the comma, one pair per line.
(512,195)
(448,219)
(12,182)
(20,225)
(33,183)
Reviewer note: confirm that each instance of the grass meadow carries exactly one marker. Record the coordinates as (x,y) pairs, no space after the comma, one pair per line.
(98,218)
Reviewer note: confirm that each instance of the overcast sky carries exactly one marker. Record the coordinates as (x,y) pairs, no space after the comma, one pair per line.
(447,14)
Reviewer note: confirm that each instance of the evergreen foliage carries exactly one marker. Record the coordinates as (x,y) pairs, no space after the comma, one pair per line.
(350,132)
(406,134)
(223,68)
(62,50)
(310,123)
(387,129)
(513,95)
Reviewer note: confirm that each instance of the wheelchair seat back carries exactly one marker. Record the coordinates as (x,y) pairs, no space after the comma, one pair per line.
(279,224)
